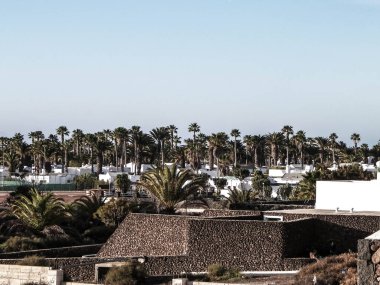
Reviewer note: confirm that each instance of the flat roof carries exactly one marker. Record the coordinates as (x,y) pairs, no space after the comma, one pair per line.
(325,212)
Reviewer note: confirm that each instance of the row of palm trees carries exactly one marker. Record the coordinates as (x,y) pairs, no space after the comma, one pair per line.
(162,144)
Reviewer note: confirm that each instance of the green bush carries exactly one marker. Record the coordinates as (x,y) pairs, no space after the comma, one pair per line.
(33,260)
(131,273)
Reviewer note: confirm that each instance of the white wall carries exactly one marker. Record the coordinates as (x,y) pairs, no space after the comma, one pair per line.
(17,275)
(345,195)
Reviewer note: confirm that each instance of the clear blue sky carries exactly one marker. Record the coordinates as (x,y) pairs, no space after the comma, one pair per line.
(255,65)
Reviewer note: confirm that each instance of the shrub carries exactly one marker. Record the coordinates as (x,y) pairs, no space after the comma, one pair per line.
(33,260)
(130,273)
(332,270)
(18,243)
(218,272)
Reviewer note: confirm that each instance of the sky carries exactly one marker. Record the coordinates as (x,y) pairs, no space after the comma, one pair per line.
(253,65)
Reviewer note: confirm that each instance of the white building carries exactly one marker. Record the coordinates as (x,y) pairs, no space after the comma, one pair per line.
(348,195)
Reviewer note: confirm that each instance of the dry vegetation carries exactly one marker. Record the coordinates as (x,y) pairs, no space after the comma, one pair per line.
(332,270)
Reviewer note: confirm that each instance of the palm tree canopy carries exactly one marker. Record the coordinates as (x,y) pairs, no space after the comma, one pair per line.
(39,211)
(170,185)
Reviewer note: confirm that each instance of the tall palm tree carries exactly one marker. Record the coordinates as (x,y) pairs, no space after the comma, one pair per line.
(218,143)
(356,139)
(274,140)
(194,128)
(300,140)
(332,142)
(78,137)
(287,131)
(235,133)
(322,144)
(173,131)
(160,135)
(136,133)
(121,137)
(63,131)
(171,186)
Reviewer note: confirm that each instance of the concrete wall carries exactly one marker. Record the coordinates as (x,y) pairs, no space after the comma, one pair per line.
(345,195)
(18,274)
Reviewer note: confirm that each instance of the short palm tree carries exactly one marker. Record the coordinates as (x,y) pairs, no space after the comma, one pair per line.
(39,211)
(170,186)
(239,196)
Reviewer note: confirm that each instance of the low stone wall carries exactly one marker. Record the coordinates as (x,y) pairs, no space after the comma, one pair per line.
(69,251)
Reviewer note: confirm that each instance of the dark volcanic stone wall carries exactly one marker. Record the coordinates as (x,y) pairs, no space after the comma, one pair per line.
(247,245)
(299,238)
(344,230)
(150,235)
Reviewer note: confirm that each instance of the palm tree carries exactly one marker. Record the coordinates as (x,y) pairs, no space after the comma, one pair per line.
(274,140)
(287,131)
(300,140)
(63,131)
(121,137)
(170,186)
(194,128)
(322,144)
(332,141)
(238,197)
(78,138)
(217,142)
(160,135)
(173,131)
(235,133)
(39,211)
(100,144)
(135,134)
(356,139)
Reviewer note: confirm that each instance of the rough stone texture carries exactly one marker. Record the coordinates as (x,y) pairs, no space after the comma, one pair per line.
(376,257)
(366,273)
(229,213)
(299,238)
(176,244)
(364,246)
(151,235)
(344,230)
(70,251)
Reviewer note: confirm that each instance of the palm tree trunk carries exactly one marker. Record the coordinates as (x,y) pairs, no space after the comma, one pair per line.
(211,159)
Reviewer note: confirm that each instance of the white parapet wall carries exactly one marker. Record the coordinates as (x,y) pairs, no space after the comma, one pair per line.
(20,274)
(348,195)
